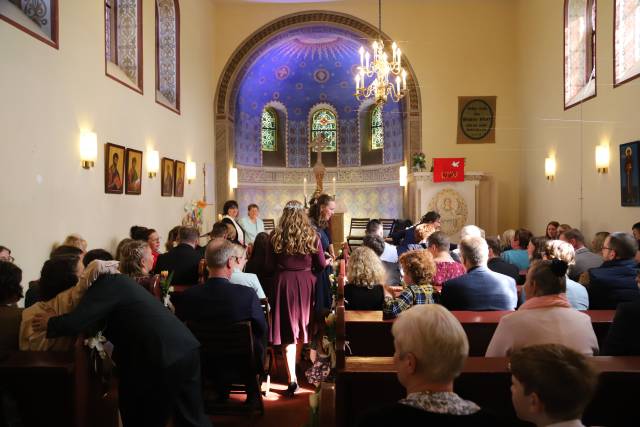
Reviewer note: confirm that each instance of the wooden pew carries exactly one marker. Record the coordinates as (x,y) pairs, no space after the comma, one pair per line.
(368,334)
(368,382)
(58,388)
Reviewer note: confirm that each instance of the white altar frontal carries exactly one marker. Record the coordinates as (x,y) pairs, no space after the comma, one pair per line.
(472,201)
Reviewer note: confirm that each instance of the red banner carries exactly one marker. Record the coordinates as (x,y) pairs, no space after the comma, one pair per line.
(448,169)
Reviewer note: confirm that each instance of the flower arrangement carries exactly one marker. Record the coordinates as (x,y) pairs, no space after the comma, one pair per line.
(419,161)
(165,283)
(193,216)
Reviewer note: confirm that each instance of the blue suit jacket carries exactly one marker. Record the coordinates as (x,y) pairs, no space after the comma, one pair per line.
(221,301)
(479,290)
(612,283)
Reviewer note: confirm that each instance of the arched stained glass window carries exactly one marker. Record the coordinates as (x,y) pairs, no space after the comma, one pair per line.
(324,122)
(269,130)
(168,54)
(579,51)
(377,128)
(627,40)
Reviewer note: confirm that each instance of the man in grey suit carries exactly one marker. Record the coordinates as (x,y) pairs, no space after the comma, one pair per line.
(585,259)
(480,289)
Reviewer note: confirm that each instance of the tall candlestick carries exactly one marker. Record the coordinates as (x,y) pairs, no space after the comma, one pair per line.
(304,186)
(334,186)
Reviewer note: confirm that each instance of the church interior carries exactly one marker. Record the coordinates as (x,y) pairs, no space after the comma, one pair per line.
(230,95)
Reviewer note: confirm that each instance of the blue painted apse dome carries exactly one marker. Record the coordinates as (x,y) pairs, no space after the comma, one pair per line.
(295,72)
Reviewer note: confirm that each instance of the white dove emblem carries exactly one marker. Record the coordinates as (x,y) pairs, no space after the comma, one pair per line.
(455,164)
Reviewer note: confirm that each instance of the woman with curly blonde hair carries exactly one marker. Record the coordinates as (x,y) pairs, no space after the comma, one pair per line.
(296,252)
(365,276)
(419,271)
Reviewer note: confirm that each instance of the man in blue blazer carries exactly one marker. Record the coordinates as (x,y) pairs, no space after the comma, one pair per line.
(480,289)
(220,301)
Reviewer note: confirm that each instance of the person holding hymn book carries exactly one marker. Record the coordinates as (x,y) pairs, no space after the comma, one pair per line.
(430,351)
(365,277)
(546,317)
(551,385)
(251,224)
(419,269)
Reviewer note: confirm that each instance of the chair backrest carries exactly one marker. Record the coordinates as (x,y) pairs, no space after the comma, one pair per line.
(151,284)
(203,273)
(387,225)
(357,225)
(225,348)
(269,224)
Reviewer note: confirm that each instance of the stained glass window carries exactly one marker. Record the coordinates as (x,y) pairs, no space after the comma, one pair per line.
(580,52)
(377,128)
(168,53)
(627,40)
(324,122)
(123,46)
(269,130)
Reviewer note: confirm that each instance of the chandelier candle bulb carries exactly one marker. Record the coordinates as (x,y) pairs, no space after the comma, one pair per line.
(398,84)
(366,58)
(361,56)
(404,80)
(304,186)
(399,57)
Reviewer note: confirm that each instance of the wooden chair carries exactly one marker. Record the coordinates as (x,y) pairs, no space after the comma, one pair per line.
(228,359)
(269,225)
(387,225)
(270,362)
(357,231)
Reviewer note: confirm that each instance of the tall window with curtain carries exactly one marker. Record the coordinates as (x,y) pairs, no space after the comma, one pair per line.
(377,128)
(123,42)
(269,135)
(626,41)
(324,122)
(168,54)
(579,51)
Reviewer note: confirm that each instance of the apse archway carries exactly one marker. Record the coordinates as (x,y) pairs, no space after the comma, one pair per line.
(229,93)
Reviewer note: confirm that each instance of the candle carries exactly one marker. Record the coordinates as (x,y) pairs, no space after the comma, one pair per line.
(398,84)
(357,81)
(304,186)
(361,56)
(399,55)
(362,78)
(334,185)
(394,46)
(366,60)
(404,80)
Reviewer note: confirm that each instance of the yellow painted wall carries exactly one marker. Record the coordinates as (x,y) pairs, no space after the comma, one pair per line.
(579,195)
(49,95)
(456,47)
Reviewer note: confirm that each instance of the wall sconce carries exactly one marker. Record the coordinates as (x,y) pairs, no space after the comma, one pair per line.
(191,171)
(403,176)
(153,163)
(602,158)
(233,178)
(88,149)
(550,168)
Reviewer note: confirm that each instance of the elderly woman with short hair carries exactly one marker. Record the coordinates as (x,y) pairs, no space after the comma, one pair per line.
(365,276)
(419,270)
(136,261)
(430,351)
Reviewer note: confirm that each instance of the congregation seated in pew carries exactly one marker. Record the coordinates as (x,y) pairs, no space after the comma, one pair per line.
(615,280)
(518,255)
(419,269)
(63,284)
(551,385)
(365,278)
(220,301)
(576,293)
(377,245)
(430,351)
(480,288)
(446,268)
(497,264)
(546,316)
(182,260)
(239,277)
(585,259)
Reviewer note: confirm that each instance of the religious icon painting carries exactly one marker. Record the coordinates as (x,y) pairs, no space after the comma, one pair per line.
(133,172)
(178,189)
(166,185)
(114,168)
(630,174)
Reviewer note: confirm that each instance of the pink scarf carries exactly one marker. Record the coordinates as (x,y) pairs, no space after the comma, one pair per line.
(546,301)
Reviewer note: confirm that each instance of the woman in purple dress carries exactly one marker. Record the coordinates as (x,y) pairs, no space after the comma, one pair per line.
(297,252)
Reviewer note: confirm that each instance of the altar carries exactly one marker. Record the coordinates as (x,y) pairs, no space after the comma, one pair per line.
(472,201)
